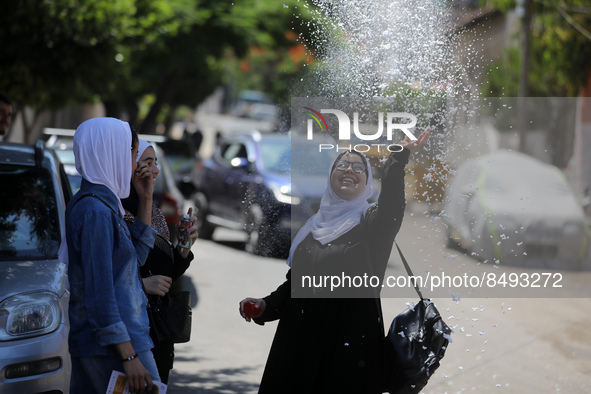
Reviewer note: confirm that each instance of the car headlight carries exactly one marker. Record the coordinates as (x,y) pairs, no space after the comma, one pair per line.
(283,194)
(30,314)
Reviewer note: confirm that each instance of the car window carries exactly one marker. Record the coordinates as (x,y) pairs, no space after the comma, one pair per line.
(29,221)
(66,156)
(234,150)
(277,157)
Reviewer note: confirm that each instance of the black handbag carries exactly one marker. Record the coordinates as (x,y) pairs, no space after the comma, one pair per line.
(414,345)
(170,317)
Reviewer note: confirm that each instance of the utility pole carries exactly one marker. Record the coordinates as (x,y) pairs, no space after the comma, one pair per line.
(524,12)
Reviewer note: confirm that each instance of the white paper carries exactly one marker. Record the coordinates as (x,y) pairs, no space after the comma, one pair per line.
(118,385)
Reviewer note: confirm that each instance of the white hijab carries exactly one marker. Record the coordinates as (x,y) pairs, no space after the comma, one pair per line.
(142,146)
(335,216)
(102,151)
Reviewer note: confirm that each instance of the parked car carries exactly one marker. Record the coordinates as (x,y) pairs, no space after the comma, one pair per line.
(246,185)
(167,196)
(511,208)
(250,184)
(181,156)
(34,294)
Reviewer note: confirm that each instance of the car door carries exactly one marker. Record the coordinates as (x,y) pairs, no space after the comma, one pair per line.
(233,169)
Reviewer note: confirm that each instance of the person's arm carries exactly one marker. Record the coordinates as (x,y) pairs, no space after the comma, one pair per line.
(97,256)
(157,284)
(143,237)
(272,305)
(138,376)
(385,221)
(181,263)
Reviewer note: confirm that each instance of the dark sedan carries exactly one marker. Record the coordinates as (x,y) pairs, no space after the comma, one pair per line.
(249,184)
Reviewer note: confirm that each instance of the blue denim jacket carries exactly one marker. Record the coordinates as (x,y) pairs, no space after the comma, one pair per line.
(107,302)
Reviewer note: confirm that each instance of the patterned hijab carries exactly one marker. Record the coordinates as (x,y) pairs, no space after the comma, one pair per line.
(335,216)
(102,152)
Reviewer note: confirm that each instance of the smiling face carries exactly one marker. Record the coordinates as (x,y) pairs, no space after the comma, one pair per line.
(149,157)
(345,182)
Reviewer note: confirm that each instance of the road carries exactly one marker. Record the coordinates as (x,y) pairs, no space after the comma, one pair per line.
(512,345)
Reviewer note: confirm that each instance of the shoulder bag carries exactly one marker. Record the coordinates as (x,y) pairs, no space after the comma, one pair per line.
(170,317)
(414,344)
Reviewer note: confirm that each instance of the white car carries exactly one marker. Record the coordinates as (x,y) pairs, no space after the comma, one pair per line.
(510,208)
(34,294)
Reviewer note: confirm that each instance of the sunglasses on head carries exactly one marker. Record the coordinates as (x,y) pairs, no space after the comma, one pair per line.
(343,165)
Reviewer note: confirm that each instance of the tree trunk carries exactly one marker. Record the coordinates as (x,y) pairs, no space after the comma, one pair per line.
(112,109)
(163,96)
(581,158)
(169,120)
(524,73)
(29,129)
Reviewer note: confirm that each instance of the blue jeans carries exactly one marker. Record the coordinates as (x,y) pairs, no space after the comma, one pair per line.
(92,374)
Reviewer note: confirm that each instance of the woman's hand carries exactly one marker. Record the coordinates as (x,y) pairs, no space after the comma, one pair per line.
(255,308)
(157,284)
(412,145)
(143,181)
(138,378)
(193,234)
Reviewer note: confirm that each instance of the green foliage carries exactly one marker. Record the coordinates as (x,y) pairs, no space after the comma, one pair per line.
(560,55)
(60,52)
(276,54)
(50,48)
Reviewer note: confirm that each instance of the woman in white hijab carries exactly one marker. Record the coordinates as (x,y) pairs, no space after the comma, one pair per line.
(109,327)
(329,340)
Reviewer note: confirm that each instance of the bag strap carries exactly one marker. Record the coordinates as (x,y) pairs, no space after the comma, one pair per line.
(408,270)
(406,266)
(92,195)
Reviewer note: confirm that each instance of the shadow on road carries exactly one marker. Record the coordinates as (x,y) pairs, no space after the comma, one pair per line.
(226,380)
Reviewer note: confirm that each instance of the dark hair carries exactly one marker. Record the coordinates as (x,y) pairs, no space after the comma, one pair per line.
(134,138)
(363,160)
(5,100)
(132,202)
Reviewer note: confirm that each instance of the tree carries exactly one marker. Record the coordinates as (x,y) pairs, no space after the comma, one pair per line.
(51,49)
(559,65)
(194,62)
(560,58)
(61,52)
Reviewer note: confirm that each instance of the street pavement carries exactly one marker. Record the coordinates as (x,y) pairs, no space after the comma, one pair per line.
(225,354)
(510,345)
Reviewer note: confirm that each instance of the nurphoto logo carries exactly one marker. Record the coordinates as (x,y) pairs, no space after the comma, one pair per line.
(344,129)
